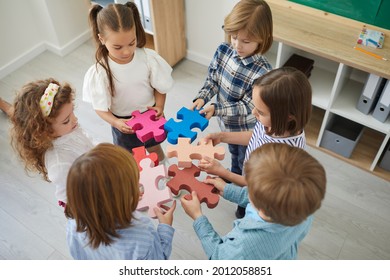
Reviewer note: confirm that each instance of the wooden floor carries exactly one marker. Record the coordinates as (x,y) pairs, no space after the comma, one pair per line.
(353,223)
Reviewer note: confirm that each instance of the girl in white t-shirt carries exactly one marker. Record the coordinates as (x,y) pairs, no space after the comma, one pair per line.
(126,76)
(45,131)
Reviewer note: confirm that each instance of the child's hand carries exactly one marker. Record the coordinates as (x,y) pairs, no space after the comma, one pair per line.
(159,111)
(199,103)
(192,207)
(216,138)
(208,111)
(218,183)
(211,166)
(167,217)
(121,125)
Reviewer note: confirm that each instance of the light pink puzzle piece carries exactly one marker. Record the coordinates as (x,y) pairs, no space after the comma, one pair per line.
(185,152)
(152,196)
(147,127)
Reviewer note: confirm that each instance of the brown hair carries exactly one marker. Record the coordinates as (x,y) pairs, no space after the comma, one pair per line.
(31,131)
(103,191)
(287,93)
(285,182)
(114,17)
(255,17)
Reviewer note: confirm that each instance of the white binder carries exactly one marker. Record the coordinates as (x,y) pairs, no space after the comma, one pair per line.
(382,108)
(147,16)
(370,94)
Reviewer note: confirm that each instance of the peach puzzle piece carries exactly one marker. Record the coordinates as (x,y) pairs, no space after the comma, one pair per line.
(184,179)
(185,152)
(152,196)
(189,120)
(146,126)
(139,153)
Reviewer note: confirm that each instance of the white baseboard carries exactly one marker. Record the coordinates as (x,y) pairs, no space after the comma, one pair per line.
(22,59)
(198,58)
(40,48)
(70,46)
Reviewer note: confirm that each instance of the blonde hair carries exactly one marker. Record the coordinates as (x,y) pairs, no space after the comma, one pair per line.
(116,18)
(255,17)
(103,191)
(31,131)
(285,182)
(287,93)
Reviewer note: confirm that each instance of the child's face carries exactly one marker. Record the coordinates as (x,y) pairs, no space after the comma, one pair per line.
(120,45)
(243,44)
(65,122)
(261,111)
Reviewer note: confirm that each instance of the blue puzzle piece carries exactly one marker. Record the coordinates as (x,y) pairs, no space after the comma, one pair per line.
(189,120)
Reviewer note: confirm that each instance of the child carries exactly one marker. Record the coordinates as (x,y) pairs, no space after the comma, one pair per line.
(45,131)
(285,187)
(126,76)
(282,100)
(103,193)
(234,68)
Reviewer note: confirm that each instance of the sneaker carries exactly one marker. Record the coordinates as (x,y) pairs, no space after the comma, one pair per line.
(240,212)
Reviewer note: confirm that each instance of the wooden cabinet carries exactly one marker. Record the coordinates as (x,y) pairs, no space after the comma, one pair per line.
(167,36)
(338,75)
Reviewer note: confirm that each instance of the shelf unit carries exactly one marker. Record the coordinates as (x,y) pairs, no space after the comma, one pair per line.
(338,75)
(167,37)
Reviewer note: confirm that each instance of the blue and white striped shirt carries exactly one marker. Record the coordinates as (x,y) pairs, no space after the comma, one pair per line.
(140,241)
(260,137)
(231,79)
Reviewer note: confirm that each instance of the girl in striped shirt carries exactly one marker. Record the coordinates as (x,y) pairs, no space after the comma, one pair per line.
(282,107)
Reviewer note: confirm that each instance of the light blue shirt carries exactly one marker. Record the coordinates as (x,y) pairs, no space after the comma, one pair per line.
(250,239)
(140,241)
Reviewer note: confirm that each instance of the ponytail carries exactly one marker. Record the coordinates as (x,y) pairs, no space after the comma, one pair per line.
(140,32)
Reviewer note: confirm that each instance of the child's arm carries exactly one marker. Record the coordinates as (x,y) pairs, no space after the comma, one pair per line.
(237,137)
(119,124)
(214,167)
(160,103)
(165,229)
(215,246)
(230,192)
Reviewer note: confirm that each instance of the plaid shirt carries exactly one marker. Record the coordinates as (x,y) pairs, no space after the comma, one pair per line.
(230,78)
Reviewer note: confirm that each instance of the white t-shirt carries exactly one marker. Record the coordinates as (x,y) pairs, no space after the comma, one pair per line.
(58,160)
(134,83)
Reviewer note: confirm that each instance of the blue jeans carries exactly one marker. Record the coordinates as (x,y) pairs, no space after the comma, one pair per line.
(238,155)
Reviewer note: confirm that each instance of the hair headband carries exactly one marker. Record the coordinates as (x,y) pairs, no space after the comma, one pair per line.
(47,98)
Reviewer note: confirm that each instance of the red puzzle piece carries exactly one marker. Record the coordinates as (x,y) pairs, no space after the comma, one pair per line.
(185,152)
(152,196)
(139,153)
(146,126)
(184,179)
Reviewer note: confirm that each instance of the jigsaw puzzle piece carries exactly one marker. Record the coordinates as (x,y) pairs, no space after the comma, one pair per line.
(152,196)
(185,152)
(184,179)
(146,126)
(139,153)
(189,120)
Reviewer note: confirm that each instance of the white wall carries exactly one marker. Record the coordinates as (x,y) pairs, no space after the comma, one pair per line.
(29,27)
(204,20)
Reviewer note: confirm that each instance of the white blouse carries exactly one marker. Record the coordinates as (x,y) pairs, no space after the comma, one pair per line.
(58,160)
(134,83)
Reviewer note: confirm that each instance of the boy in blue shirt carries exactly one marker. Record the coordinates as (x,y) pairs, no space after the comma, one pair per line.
(286,186)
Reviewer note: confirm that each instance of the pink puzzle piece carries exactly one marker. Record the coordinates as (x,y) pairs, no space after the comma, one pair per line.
(184,179)
(185,152)
(146,126)
(152,196)
(139,153)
